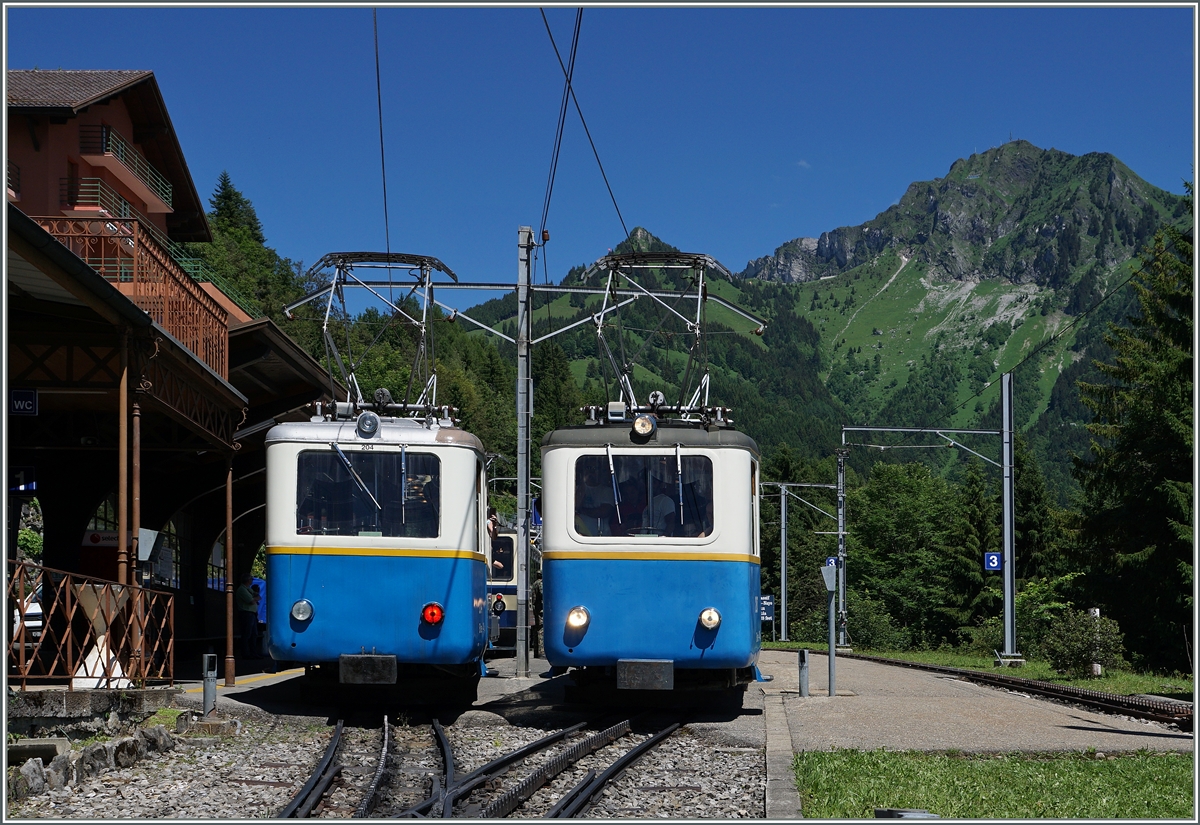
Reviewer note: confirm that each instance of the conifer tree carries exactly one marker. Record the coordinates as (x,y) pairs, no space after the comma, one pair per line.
(239,255)
(1136,526)
(233,210)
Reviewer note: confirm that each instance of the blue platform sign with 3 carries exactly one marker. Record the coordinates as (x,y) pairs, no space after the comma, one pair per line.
(993,562)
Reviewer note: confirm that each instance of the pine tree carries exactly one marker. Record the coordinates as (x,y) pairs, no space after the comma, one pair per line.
(981,534)
(1137,519)
(1036,528)
(239,256)
(232,210)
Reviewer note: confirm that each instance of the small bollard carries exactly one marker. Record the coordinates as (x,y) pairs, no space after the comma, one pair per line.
(210,682)
(803,671)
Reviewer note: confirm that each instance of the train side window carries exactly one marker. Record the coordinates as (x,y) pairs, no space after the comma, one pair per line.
(330,502)
(503,551)
(641,495)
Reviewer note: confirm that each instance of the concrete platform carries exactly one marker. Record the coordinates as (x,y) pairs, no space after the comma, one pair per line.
(879,706)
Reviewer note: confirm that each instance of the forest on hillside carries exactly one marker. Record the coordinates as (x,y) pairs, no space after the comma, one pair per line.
(918,527)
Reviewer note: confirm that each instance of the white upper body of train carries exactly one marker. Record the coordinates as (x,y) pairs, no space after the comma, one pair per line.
(375,482)
(686,491)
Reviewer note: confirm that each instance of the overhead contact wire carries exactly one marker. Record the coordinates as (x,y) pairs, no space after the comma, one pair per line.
(387,235)
(587,131)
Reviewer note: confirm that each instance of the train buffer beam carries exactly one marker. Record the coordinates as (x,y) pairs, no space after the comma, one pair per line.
(366,669)
(645,674)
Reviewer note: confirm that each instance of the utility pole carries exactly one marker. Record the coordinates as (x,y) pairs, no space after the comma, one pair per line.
(841,534)
(524,419)
(1010,567)
(783,563)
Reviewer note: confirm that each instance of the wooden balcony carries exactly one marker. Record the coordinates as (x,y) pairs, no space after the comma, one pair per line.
(127,254)
(104,146)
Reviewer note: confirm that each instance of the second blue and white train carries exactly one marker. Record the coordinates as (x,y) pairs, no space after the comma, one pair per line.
(650,550)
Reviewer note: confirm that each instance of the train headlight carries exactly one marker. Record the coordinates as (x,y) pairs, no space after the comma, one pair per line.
(710,618)
(432,613)
(645,425)
(368,424)
(302,610)
(578,618)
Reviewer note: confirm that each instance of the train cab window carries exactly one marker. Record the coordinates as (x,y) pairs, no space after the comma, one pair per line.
(380,501)
(502,559)
(638,495)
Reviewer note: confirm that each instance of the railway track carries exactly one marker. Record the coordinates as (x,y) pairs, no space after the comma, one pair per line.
(559,775)
(1155,710)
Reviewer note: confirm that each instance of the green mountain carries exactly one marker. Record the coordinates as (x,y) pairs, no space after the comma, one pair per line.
(997,265)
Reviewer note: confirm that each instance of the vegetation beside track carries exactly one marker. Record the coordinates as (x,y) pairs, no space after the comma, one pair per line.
(849,784)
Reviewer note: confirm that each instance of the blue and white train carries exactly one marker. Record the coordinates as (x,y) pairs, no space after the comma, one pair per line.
(376,549)
(650,550)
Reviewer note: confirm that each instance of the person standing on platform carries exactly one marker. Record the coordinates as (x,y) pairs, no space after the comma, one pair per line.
(246,612)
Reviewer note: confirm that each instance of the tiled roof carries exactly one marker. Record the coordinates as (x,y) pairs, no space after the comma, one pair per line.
(37,88)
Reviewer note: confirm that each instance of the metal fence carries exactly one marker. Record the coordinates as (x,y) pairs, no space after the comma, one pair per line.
(87,633)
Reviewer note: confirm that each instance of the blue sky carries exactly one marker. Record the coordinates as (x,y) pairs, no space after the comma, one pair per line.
(727,131)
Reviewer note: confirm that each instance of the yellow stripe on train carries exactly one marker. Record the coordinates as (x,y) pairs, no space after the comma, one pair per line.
(640,555)
(377,551)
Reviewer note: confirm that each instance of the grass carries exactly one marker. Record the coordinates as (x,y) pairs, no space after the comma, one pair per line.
(848,784)
(164,716)
(1121,682)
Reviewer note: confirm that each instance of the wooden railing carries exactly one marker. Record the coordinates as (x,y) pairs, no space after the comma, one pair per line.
(87,633)
(126,253)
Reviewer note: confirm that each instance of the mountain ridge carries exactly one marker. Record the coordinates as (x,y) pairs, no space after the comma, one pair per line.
(1008,212)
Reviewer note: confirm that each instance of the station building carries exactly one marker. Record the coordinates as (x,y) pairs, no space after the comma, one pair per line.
(139,386)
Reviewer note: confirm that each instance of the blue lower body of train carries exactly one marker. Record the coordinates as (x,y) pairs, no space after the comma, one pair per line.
(373,604)
(649,609)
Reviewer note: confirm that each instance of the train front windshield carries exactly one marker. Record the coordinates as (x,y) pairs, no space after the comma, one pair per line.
(639,495)
(393,495)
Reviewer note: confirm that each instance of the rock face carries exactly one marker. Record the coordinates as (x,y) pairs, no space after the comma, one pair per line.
(1018,212)
(127,751)
(30,779)
(94,760)
(157,739)
(59,773)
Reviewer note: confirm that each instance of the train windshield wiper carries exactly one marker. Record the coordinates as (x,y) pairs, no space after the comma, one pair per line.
(357,480)
(613,475)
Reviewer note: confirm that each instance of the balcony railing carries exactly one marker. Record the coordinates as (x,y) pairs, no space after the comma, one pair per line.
(93,193)
(105,140)
(124,252)
(14,178)
(88,633)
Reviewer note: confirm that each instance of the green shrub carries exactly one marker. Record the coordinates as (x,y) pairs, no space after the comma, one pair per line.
(868,624)
(30,544)
(1038,604)
(1077,639)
